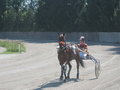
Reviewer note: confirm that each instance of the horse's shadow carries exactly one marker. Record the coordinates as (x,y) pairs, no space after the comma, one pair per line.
(93,78)
(54,83)
(57,83)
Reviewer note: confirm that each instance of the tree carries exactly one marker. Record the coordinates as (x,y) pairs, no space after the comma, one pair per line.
(60,15)
(2,10)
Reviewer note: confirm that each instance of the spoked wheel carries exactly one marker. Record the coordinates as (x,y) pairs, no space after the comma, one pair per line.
(97,69)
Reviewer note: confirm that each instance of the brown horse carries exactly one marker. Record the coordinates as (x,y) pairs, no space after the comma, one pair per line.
(66,53)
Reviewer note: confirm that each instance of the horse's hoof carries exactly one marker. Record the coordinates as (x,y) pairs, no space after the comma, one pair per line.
(61,78)
(68,77)
(77,80)
(64,80)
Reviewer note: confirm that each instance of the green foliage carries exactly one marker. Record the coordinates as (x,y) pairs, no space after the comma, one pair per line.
(2,10)
(60,15)
(78,15)
(13,46)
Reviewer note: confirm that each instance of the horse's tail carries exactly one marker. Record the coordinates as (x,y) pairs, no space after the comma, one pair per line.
(82,63)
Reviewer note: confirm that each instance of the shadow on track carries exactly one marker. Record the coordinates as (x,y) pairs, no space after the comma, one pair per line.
(55,83)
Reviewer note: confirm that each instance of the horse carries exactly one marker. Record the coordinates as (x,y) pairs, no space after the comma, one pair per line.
(66,53)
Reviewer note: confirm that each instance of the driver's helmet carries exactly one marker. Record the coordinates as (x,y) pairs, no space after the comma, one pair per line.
(82,38)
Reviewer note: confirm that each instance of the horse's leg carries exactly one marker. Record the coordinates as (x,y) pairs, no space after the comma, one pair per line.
(63,72)
(64,68)
(77,62)
(70,66)
(61,76)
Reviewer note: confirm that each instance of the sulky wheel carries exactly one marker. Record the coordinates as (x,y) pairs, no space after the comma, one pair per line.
(97,69)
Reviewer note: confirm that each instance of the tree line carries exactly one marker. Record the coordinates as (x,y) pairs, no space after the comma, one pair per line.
(60,15)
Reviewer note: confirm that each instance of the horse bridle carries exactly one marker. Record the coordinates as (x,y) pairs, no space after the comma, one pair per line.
(62,47)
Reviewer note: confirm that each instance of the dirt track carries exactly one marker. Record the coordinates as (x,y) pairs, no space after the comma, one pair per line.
(38,69)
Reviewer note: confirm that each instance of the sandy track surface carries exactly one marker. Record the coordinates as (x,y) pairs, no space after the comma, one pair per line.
(39,69)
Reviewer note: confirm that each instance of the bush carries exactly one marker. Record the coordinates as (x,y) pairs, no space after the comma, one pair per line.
(13,46)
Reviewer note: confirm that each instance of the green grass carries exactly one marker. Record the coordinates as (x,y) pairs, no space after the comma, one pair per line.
(12,46)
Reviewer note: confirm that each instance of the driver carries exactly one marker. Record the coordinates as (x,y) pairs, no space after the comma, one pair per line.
(83,48)
(82,45)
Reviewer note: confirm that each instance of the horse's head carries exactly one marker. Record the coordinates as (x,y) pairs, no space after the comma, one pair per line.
(61,37)
(62,44)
